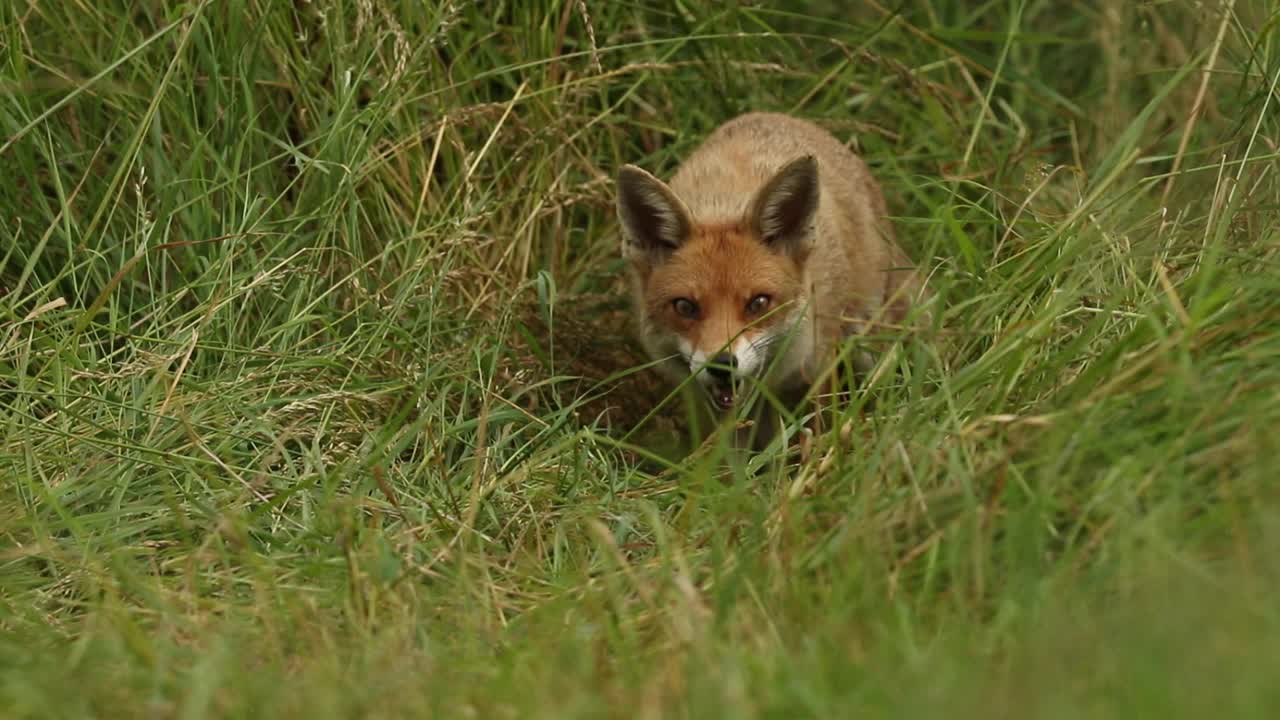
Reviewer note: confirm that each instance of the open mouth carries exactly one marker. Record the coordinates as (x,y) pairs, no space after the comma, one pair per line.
(722,395)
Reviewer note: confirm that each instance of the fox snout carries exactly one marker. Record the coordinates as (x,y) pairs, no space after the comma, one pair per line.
(725,373)
(737,361)
(721,368)
(717,376)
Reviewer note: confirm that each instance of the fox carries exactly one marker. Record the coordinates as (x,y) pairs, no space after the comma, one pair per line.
(769,246)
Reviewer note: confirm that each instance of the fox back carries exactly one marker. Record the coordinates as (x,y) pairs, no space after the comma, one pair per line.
(766,249)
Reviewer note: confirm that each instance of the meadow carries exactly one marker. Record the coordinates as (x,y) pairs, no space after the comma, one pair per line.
(317,397)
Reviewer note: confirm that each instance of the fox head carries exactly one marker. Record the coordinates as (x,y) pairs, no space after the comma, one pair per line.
(726,295)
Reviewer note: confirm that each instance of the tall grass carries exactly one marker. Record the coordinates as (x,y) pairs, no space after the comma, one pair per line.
(317,398)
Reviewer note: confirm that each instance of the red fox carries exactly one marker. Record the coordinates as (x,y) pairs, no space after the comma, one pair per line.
(767,249)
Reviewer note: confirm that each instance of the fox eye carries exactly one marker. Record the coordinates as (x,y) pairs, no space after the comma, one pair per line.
(685,308)
(758,304)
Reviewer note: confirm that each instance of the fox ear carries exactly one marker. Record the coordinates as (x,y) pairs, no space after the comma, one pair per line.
(782,212)
(653,219)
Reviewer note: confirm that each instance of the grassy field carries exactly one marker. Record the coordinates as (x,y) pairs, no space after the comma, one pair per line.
(306,341)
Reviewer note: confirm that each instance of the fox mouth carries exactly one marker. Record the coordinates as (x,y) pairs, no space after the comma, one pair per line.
(722,395)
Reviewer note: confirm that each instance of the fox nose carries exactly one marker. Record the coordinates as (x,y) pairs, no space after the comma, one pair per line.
(721,367)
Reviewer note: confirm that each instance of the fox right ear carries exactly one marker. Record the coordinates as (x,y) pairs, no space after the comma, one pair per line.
(784,208)
(653,219)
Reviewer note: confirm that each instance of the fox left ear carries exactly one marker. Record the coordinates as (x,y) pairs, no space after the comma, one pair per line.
(782,212)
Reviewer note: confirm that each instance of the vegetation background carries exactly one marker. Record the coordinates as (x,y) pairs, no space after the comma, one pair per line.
(302,332)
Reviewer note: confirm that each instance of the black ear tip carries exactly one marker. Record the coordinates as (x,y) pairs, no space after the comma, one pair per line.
(803,168)
(631,173)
